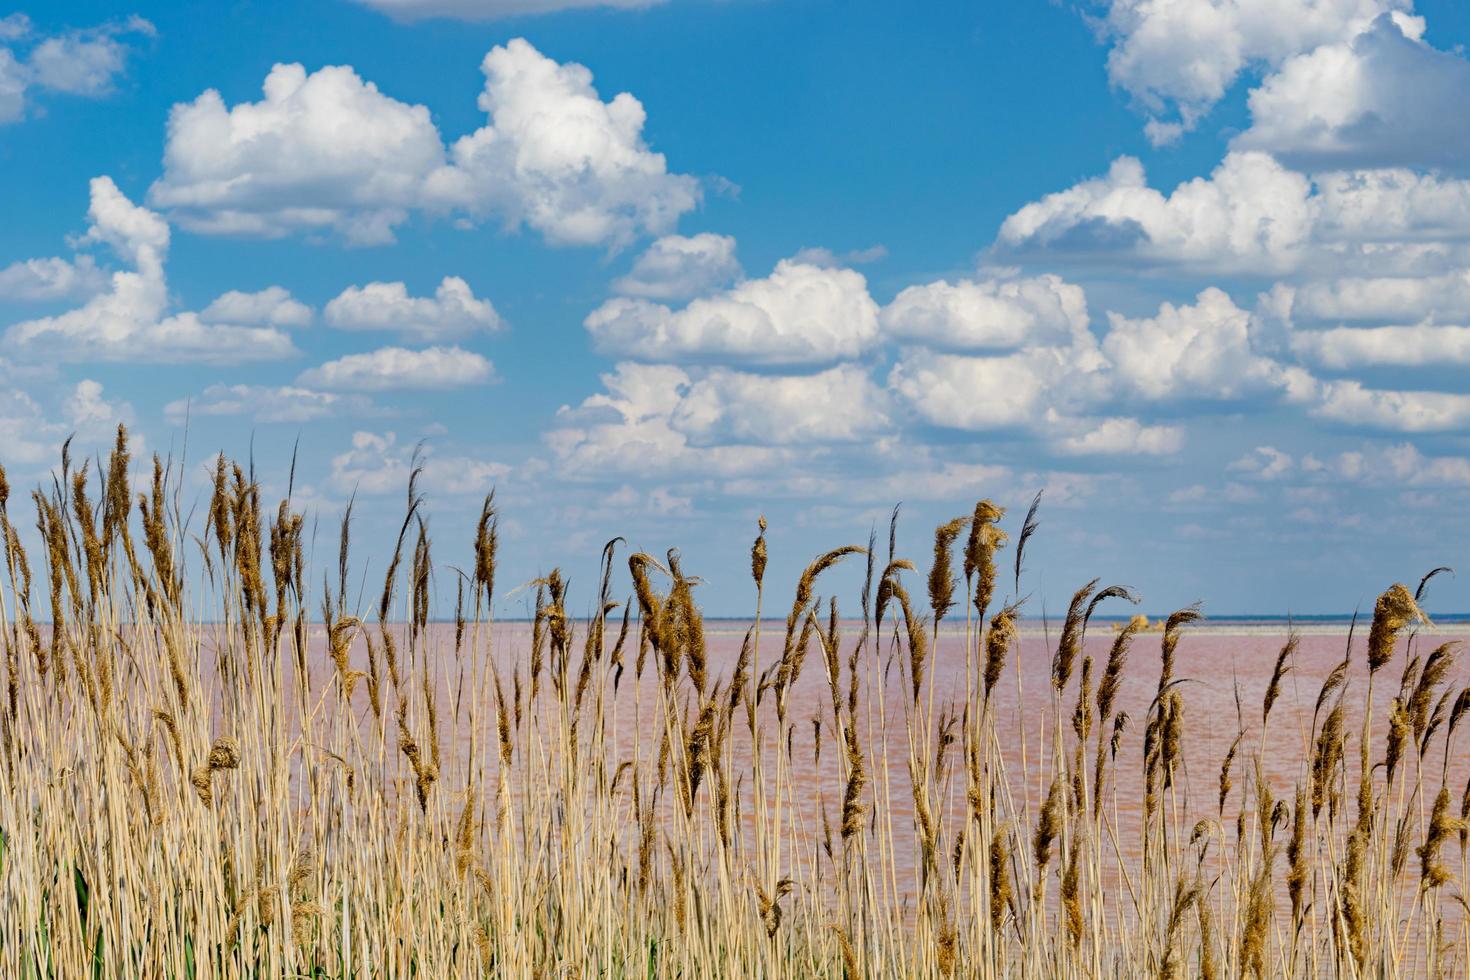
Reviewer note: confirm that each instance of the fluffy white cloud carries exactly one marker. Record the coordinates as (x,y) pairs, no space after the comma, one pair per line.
(324,150)
(90,413)
(658,500)
(286,403)
(1250,213)
(327,150)
(1385,98)
(799,314)
(1399,464)
(1195,352)
(138,236)
(630,430)
(377,464)
(451,313)
(1066,393)
(51,279)
(1358,211)
(993,314)
(838,405)
(1121,437)
(1420,345)
(678,267)
(1177,58)
(272,305)
(130,320)
(32,434)
(1265,463)
(391,368)
(556,157)
(1015,391)
(1350,403)
(1385,298)
(84,62)
(491,9)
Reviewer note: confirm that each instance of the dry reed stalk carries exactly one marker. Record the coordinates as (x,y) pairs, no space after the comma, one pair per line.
(313,848)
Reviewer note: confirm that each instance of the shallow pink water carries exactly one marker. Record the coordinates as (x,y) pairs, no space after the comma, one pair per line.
(1218,667)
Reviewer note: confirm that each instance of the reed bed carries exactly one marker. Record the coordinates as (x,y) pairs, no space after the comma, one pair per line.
(214,768)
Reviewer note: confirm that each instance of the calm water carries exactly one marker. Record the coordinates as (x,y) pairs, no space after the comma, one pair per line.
(1225,670)
(1221,667)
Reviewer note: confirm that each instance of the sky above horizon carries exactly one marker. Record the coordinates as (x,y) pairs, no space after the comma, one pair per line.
(1198,270)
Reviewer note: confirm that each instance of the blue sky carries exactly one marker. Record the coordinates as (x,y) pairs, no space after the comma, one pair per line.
(1199,269)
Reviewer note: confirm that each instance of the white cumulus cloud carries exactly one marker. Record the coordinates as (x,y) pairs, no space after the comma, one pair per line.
(1384,98)
(1177,58)
(1418,345)
(996,314)
(555,157)
(841,404)
(1350,403)
(679,267)
(376,463)
(328,151)
(1201,351)
(799,314)
(51,279)
(272,305)
(392,368)
(130,321)
(320,151)
(1250,213)
(86,62)
(1016,391)
(1121,437)
(630,429)
(451,313)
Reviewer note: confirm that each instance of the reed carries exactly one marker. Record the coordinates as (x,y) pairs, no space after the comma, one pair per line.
(209,771)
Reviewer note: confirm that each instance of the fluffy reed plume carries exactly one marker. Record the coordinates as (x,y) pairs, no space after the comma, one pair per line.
(1002,634)
(1071,638)
(1433,873)
(984,541)
(1071,893)
(487,543)
(1296,858)
(1170,643)
(850,967)
(1273,689)
(1209,968)
(1394,610)
(918,639)
(1326,757)
(857,777)
(513,810)
(223,754)
(1225,767)
(1436,667)
(941,576)
(1184,898)
(1048,825)
(758,555)
(1257,921)
(1029,526)
(1002,899)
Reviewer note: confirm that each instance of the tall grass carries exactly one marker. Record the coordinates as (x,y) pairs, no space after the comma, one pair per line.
(212,767)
